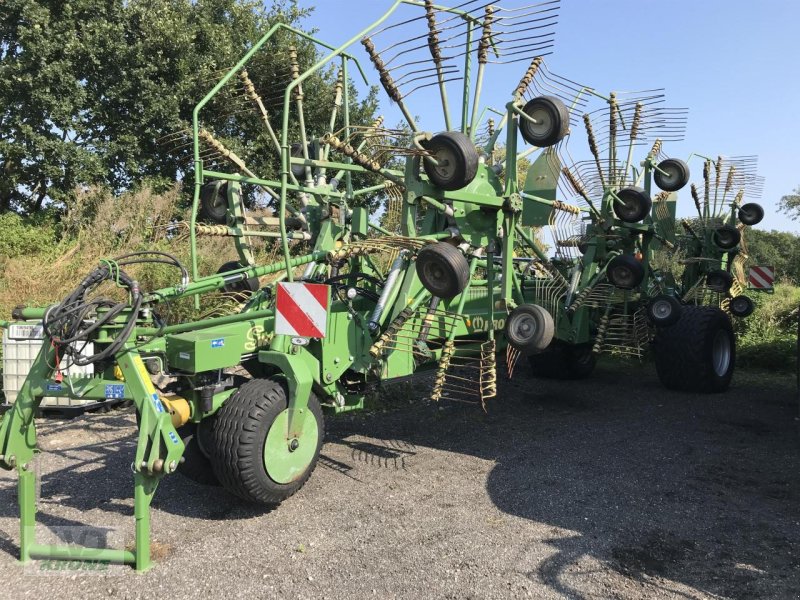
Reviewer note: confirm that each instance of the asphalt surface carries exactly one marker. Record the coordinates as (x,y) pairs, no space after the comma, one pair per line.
(606,488)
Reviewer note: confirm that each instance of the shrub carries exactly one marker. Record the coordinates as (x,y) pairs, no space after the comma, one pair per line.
(768,337)
(26,235)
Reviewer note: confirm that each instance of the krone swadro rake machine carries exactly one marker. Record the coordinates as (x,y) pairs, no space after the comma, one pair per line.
(435,284)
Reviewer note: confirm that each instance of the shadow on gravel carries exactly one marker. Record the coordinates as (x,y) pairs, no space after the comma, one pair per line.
(98,476)
(701,490)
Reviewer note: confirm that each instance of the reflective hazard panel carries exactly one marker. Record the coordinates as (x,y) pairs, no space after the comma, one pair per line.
(301,309)
(761,277)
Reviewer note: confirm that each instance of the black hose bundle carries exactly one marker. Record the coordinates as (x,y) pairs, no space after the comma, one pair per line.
(76,317)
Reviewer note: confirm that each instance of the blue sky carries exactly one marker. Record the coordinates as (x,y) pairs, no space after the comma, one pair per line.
(733,63)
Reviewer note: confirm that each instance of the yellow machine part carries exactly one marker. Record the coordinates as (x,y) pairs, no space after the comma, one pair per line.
(178,408)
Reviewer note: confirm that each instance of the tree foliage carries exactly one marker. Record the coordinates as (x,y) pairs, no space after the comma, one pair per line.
(790,204)
(88,88)
(780,249)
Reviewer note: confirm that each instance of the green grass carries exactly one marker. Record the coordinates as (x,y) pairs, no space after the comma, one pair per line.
(767,339)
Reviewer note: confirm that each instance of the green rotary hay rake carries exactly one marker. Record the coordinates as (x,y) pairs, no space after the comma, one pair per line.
(447,276)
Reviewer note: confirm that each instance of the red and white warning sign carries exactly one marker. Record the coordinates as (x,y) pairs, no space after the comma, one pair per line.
(301,309)
(762,277)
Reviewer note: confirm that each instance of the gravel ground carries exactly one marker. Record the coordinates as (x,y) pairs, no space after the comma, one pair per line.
(607,488)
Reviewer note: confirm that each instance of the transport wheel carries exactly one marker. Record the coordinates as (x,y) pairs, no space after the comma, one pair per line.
(727,237)
(214,202)
(442,269)
(197,465)
(625,272)
(719,280)
(552,121)
(664,310)
(751,213)
(676,177)
(742,306)
(456,160)
(634,204)
(247,286)
(251,455)
(698,353)
(563,361)
(294,224)
(529,328)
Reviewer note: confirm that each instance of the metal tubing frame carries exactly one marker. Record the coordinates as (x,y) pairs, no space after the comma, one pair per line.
(198,164)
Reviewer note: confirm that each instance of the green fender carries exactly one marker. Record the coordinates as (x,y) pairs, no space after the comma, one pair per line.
(297,368)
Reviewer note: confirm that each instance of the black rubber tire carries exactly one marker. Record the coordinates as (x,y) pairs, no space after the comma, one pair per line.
(214,202)
(718,280)
(246,286)
(742,306)
(294,224)
(685,353)
(196,464)
(296,151)
(460,170)
(751,213)
(442,269)
(239,436)
(664,311)
(529,328)
(727,237)
(555,117)
(678,175)
(563,361)
(636,204)
(625,272)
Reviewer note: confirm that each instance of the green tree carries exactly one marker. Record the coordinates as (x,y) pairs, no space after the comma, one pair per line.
(89,89)
(790,204)
(780,249)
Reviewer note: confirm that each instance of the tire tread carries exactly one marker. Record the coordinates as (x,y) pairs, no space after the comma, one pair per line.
(237,458)
(681,356)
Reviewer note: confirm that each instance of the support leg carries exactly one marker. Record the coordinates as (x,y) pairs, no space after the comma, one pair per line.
(26,489)
(144,489)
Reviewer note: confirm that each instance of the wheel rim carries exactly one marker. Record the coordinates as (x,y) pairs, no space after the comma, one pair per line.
(721,353)
(524,328)
(623,276)
(725,239)
(629,208)
(662,310)
(671,175)
(739,305)
(445,163)
(543,125)
(435,275)
(284,465)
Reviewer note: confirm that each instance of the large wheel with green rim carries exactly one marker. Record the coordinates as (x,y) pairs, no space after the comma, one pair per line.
(253,456)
